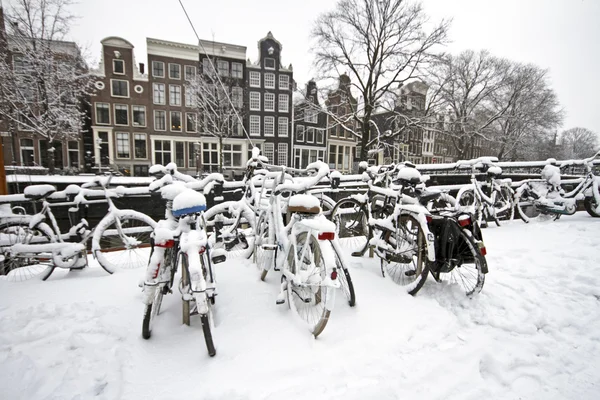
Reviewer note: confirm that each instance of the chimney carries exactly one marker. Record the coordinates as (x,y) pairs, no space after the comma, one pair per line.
(142,68)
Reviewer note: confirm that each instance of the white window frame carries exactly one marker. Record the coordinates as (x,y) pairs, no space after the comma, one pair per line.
(70,151)
(274,63)
(145,141)
(308,129)
(317,130)
(240,96)
(164,91)
(283,103)
(224,72)
(231,152)
(254,121)
(255,98)
(282,153)
(133,115)
(190,98)
(298,129)
(269,121)
(282,122)
(117,145)
(176,99)
(111,88)
(185,74)
(269,104)
(162,151)
(179,65)
(284,82)
(254,79)
(160,111)
(195,122)
(269,148)
(28,148)
(115,111)
(163,69)
(114,70)
(171,121)
(269,78)
(96,111)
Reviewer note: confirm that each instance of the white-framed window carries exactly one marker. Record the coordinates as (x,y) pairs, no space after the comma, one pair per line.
(283,103)
(269,102)
(310,134)
(269,81)
(210,157)
(254,79)
(223,67)
(255,125)
(174,71)
(320,135)
(269,63)
(267,151)
(269,126)
(158,69)
(103,113)
(284,82)
(236,70)
(73,154)
(139,115)
(119,67)
(158,93)
(121,114)
(282,126)
(189,72)
(310,115)
(190,122)
(232,155)
(282,154)
(190,97)
(175,121)
(174,95)
(27,152)
(119,88)
(207,66)
(299,133)
(255,101)
(237,96)
(122,145)
(140,149)
(162,152)
(160,120)
(180,153)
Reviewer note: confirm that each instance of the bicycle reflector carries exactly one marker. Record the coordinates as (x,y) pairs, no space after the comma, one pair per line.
(464,220)
(167,244)
(326,236)
(482,248)
(429,218)
(333,275)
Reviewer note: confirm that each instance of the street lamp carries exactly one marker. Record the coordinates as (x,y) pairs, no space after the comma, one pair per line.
(99,141)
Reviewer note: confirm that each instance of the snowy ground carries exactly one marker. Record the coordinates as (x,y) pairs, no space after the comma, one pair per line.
(533,333)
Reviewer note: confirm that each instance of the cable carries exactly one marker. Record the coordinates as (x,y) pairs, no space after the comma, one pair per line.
(217,75)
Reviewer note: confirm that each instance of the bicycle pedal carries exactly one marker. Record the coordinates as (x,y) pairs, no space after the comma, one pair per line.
(280,301)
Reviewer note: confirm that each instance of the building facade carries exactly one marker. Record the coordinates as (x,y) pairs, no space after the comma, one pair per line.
(310,124)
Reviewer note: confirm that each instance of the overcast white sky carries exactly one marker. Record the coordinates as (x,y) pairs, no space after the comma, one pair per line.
(561,35)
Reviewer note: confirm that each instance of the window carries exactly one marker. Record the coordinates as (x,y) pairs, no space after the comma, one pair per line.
(175,121)
(255,101)
(269,102)
(254,79)
(139,143)
(282,126)
(190,97)
(121,114)
(19,64)
(139,115)
(160,120)
(282,153)
(190,122)
(207,66)
(267,151)
(27,152)
(223,67)
(180,154)
(174,95)
(119,67)
(284,82)
(237,96)
(122,145)
(232,155)
(73,148)
(319,135)
(158,69)
(310,134)
(119,88)
(189,72)
(162,152)
(102,113)
(236,70)
(283,103)
(269,81)
(174,71)
(210,157)
(310,115)
(270,63)
(159,93)
(300,133)
(193,153)
(269,126)
(254,125)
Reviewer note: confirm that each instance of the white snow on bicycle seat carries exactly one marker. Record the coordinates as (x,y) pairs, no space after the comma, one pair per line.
(188,202)
(169,192)
(38,191)
(304,203)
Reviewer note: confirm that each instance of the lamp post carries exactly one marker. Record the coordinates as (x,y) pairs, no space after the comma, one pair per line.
(197,152)
(99,141)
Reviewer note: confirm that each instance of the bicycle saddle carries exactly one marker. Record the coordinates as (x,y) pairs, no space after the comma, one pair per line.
(38,192)
(425,198)
(188,202)
(304,203)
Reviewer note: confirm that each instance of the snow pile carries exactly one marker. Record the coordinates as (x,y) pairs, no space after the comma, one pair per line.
(409,174)
(38,190)
(304,200)
(551,174)
(494,170)
(187,202)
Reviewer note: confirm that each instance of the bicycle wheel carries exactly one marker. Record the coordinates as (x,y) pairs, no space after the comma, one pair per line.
(591,205)
(207,319)
(264,252)
(18,268)
(327,204)
(151,311)
(311,300)
(405,262)
(185,287)
(503,203)
(528,211)
(130,250)
(466,263)
(352,227)
(344,277)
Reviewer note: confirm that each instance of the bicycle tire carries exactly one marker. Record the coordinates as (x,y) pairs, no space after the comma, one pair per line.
(112,250)
(318,295)
(17,269)
(208,339)
(345,279)
(263,258)
(401,266)
(525,205)
(590,204)
(352,226)
(150,312)
(185,285)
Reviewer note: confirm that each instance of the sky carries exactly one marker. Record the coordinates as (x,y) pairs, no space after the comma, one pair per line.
(560,35)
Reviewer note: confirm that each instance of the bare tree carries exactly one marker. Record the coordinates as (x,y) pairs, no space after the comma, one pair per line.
(219,103)
(43,84)
(578,143)
(379,44)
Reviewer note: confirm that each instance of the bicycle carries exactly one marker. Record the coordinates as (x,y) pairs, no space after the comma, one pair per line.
(30,247)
